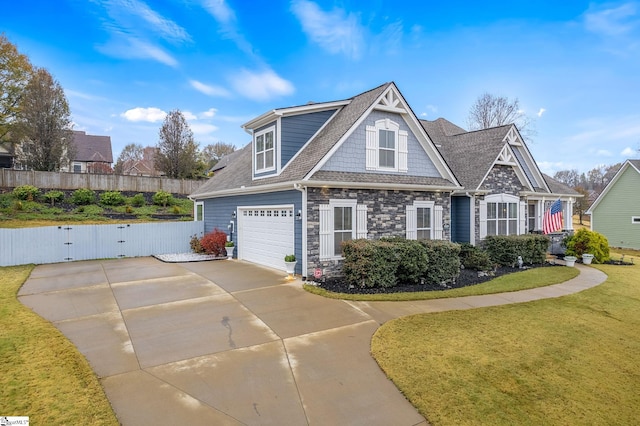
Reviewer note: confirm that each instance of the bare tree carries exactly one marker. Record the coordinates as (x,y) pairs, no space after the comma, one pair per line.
(491,111)
(43,125)
(131,152)
(582,203)
(15,71)
(177,150)
(212,153)
(571,178)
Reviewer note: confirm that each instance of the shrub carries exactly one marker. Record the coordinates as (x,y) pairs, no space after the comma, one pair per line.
(162,198)
(196,247)
(129,210)
(175,210)
(473,257)
(213,242)
(138,200)
(412,261)
(505,249)
(83,196)
(54,196)
(290,258)
(444,261)
(26,192)
(112,198)
(585,241)
(370,263)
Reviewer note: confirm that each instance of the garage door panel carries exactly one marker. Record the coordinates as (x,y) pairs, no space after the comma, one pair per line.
(266,235)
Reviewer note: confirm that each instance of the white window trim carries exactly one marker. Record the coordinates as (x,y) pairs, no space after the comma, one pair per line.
(195,211)
(412,219)
(502,198)
(373,146)
(635,220)
(271,129)
(327,231)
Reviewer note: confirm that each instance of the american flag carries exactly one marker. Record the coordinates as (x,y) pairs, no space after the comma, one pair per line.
(552,220)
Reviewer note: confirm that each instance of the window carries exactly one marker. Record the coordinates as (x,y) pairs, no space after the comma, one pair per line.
(424,221)
(531,224)
(199,213)
(502,214)
(386,147)
(340,220)
(77,168)
(265,150)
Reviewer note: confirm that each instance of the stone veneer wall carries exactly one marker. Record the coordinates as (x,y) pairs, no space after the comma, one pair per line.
(501,179)
(386,217)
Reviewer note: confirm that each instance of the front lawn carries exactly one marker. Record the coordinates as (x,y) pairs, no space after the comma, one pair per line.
(568,360)
(42,374)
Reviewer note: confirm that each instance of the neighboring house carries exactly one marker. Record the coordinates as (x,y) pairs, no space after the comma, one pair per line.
(318,174)
(6,155)
(224,161)
(145,166)
(93,153)
(616,212)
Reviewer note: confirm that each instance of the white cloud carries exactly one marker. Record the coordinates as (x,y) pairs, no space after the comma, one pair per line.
(612,21)
(134,48)
(335,31)
(541,111)
(202,128)
(261,86)
(208,89)
(220,10)
(630,152)
(209,113)
(226,18)
(188,115)
(165,27)
(151,115)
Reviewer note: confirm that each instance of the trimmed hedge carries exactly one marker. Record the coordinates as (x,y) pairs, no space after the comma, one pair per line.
(444,261)
(370,263)
(473,257)
(505,249)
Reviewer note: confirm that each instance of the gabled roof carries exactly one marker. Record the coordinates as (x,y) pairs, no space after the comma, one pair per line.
(224,161)
(560,188)
(304,166)
(90,148)
(632,164)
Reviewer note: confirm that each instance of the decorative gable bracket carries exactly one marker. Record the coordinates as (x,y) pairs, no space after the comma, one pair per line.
(506,157)
(390,102)
(513,138)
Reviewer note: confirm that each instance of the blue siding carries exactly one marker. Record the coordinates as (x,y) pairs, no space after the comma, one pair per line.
(460,219)
(298,129)
(217,213)
(351,156)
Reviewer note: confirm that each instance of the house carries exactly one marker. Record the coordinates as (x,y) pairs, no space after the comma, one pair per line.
(318,174)
(144,167)
(6,155)
(224,161)
(93,153)
(616,212)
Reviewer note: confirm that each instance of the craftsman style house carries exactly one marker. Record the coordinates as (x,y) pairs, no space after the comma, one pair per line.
(366,167)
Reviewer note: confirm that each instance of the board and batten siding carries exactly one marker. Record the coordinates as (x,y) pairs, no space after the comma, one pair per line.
(218,211)
(298,129)
(612,216)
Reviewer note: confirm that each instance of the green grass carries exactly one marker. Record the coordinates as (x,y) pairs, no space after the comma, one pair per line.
(573,360)
(42,375)
(532,278)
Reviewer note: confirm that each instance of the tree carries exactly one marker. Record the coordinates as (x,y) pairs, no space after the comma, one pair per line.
(177,151)
(43,125)
(130,153)
(214,152)
(582,203)
(15,71)
(491,111)
(571,178)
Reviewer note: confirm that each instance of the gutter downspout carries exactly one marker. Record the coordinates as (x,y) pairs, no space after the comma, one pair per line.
(303,190)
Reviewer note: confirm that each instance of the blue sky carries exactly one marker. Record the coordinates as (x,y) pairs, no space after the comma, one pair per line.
(573,65)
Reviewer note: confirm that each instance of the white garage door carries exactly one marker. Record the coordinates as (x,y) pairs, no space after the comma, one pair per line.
(265,235)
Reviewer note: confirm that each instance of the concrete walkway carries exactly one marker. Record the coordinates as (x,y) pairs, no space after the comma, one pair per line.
(228,342)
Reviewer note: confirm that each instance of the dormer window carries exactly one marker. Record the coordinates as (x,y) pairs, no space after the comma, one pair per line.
(386,146)
(265,150)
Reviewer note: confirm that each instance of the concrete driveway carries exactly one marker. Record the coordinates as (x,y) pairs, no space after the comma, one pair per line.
(228,342)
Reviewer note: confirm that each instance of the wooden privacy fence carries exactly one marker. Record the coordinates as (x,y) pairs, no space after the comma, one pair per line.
(10,178)
(53,244)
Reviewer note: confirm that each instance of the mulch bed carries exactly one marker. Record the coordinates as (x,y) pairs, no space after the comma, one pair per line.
(466,278)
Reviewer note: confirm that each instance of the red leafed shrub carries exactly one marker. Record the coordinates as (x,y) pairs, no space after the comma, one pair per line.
(213,242)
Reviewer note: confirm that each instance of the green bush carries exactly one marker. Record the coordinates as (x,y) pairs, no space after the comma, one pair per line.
(162,198)
(370,263)
(54,197)
(138,200)
(505,249)
(412,260)
(83,197)
(585,241)
(26,192)
(473,257)
(112,198)
(444,261)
